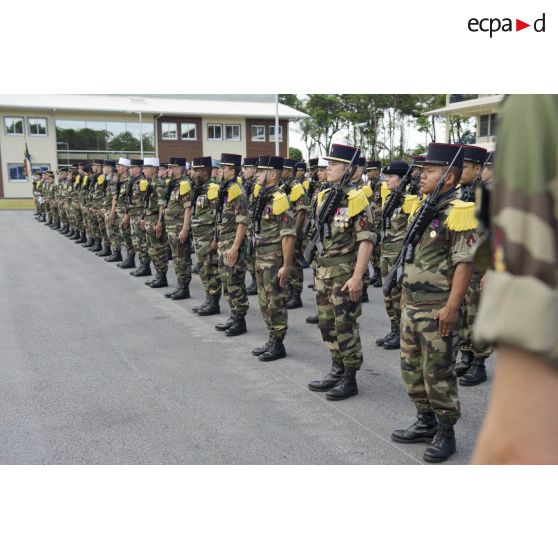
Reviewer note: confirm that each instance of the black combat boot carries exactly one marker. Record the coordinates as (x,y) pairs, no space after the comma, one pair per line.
(76,235)
(422,430)
(238,327)
(261,350)
(294,300)
(364,296)
(106,251)
(82,238)
(393,339)
(57,227)
(64,229)
(252,289)
(329,381)
(476,374)
(129,262)
(346,388)
(97,247)
(443,444)
(116,256)
(69,233)
(376,279)
(312,320)
(195,308)
(89,243)
(144,270)
(212,307)
(182,293)
(160,281)
(178,285)
(275,351)
(48,221)
(465,364)
(223,326)
(150,281)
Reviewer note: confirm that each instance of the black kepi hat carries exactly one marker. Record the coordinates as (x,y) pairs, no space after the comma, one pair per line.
(289,163)
(231,159)
(313,163)
(177,162)
(250,162)
(301,165)
(474,154)
(399,168)
(202,163)
(136,163)
(373,164)
(443,154)
(343,153)
(270,162)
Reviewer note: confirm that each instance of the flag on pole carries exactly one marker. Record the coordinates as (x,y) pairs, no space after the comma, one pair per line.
(27,169)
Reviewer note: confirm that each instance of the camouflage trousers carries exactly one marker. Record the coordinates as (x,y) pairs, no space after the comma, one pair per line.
(392,301)
(296,276)
(158,248)
(139,239)
(181,254)
(95,225)
(125,232)
(233,278)
(48,209)
(428,360)
(470,307)
(113,230)
(77,217)
(62,212)
(102,220)
(208,265)
(271,297)
(338,324)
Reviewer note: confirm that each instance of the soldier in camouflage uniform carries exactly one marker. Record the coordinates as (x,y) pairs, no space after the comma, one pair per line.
(152,222)
(274,240)
(203,219)
(231,220)
(136,187)
(49,188)
(177,205)
(95,200)
(339,274)
(434,286)
(77,199)
(249,182)
(118,233)
(75,179)
(320,183)
(471,371)
(392,234)
(517,312)
(61,197)
(109,176)
(85,202)
(35,180)
(373,174)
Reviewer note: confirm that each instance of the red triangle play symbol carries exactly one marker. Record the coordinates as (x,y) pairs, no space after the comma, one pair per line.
(519,25)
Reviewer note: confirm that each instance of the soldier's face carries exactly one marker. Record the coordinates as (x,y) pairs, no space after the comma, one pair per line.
(487,174)
(335,170)
(149,172)
(373,174)
(393,181)
(322,175)
(470,171)
(228,172)
(300,173)
(121,169)
(248,171)
(431,175)
(286,174)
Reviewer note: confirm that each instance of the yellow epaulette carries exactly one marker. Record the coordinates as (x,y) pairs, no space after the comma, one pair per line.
(184,187)
(234,191)
(212,191)
(77,180)
(256,190)
(384,192)
(409,203)
(306,185)
(280,203)
(415,204)
(296,192)
(321,195)
(167,180)
(462,216)
(101,180)
(367,189)
(239,180)
(358,202)
(143,185)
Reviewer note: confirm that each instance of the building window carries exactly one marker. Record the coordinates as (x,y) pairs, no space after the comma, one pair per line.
(272,133)
(13,125)
(215,132)
(232,132)
(169,130)
(488,125)
(37,126)
(188,131)
(15,171)
(258,133)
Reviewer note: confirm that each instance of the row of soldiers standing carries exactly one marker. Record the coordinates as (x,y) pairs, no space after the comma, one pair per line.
(259,216)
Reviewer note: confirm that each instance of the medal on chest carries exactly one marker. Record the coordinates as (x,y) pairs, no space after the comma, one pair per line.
(341,218)
(266,212)
(435,226)
(200,202)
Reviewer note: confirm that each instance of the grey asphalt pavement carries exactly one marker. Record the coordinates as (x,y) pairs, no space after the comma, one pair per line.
(96,368)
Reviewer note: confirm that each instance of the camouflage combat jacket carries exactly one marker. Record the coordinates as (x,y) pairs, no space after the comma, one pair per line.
(177,197)
(203,218)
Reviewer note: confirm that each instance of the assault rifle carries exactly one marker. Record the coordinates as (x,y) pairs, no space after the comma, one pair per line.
(425,215)
(469,192)
(394,201)
(219,211)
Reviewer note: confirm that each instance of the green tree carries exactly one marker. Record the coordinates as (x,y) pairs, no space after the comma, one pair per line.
(295,153)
